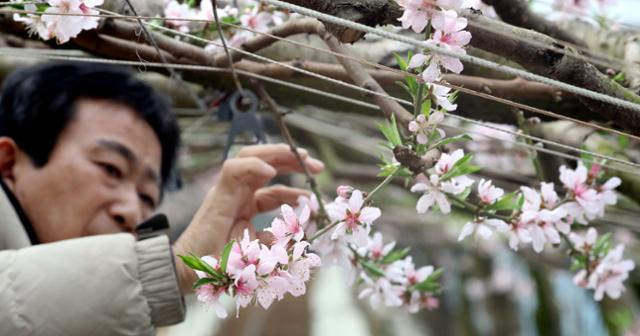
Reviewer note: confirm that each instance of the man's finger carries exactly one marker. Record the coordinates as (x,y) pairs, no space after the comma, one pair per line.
(247,171)
(282,158)
(269,198)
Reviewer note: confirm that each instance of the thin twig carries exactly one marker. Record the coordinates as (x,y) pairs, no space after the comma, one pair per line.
(226,49)
(535,157)
(273,107)
(163,59)
(382,184)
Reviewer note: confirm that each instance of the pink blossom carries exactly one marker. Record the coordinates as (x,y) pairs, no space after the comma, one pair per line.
(609,275)
(481,226)
(300,268)
(576,182)
(353,219)
(290,227)
(441,95)
(35,24)
(65,27)
(422,127)
(518,233)
(432,195)
(448,35)
(435,191)
(416,14)
(344,191)
(488,193)
(376,249)
(176,10)
(584,243)
(210,295)
(447,161)
(381,290)
(243,254)
(256,20)
(244,285)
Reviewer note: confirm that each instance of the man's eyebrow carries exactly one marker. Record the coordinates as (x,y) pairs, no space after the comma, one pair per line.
(120,149)
(129,156)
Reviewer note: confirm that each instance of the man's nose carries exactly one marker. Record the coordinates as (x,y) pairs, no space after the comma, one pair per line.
(127,210)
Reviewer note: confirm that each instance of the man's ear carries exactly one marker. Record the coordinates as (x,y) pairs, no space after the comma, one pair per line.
(8,153)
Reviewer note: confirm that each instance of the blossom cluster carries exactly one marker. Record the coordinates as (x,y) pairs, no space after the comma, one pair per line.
(388,275)
(600,268)
(249,13)
(447,33)
(250,271)
(60,19)
(538,217)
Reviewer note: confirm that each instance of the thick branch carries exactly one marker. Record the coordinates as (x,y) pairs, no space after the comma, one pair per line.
(512,44)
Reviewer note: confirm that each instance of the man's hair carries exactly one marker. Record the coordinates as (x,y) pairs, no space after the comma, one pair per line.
(38,103)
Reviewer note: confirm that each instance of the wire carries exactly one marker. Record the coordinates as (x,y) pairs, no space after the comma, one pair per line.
(612,62)
(3,51)
(403,101)
(460,88)
(463,57)
(444,83)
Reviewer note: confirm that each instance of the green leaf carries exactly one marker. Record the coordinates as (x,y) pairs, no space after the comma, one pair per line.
(205,281)
(446,141)
(463,196)
(436,274)
(371,268)
(402,62)
(507,202)
(412,83)
(405,87)
(430,284)
(224,258)
(602,245)
(461,167)
(426,107)
(391,132)
(198,264)
(395,255)
(578,264)
(623,142)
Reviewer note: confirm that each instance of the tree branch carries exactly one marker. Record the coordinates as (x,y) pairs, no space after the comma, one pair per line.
(513,45)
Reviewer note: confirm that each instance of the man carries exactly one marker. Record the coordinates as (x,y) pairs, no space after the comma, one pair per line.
(85,152)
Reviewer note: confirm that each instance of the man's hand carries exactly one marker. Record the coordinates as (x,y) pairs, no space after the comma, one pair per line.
(239,195)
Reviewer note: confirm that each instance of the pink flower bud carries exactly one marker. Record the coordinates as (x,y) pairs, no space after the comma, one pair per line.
(344,191)
(594,171)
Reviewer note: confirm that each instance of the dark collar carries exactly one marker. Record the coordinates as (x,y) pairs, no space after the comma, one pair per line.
(21,214)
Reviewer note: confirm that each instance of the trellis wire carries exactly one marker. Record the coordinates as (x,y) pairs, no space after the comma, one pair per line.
(303,88)
(462,89)
(443,83)
(612,62)
(463,57)
(401,101)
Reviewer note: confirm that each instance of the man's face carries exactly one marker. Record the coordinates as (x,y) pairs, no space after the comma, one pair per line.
(101,177)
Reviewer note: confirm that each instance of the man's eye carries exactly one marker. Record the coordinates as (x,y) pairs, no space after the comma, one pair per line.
(148,200)
(111,170)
